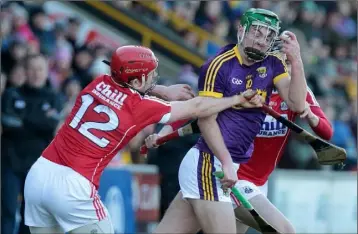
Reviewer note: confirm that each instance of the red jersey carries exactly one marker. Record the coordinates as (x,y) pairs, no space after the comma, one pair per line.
(270,142)
(103,120)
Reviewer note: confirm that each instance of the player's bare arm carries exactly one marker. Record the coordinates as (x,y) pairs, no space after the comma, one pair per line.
(293,90)
(199,107)
(210,131)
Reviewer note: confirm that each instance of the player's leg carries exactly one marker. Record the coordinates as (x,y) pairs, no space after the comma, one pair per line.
(76,205)
(242,213)
(264,208)
(46,230)
(79,207)
(10,189)
(240,227)
(36,215)
(202,189)
(102,227)
(179,218)
(214,216)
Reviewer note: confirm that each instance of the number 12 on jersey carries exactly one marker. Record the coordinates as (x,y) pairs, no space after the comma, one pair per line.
(84,128)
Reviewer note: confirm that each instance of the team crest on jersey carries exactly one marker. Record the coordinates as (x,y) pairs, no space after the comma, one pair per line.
(283,106)
(248,77)
(262,93)
(262,72)
(248,190)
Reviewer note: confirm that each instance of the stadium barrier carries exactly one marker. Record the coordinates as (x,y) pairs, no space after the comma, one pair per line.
(316,201)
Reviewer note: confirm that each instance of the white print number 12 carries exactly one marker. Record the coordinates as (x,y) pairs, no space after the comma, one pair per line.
(112,124)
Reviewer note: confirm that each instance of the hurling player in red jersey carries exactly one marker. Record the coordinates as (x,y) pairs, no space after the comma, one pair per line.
(61,187)
(269,145)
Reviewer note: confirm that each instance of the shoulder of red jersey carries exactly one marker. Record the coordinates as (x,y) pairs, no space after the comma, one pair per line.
(311,99)
(155,99)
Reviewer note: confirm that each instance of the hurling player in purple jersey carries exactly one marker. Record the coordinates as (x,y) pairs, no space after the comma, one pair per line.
(227,137)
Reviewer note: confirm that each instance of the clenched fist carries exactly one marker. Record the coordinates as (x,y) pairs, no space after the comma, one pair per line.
(290,46)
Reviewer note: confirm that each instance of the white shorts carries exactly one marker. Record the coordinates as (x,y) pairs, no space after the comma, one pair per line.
(196,179)
(250,190)
(56,195)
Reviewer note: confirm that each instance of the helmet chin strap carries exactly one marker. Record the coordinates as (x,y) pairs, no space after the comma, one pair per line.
(131,87)
(143,82)
(142,86)
(254,54)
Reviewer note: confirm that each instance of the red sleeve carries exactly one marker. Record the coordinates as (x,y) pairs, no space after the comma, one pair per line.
(151,110)
(324,128)
(177,124)
(311,99)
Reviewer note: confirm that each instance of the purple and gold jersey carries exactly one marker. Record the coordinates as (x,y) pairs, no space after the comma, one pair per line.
(224,75)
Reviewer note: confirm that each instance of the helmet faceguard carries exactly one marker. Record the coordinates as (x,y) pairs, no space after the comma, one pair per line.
(154,74)
(261,27)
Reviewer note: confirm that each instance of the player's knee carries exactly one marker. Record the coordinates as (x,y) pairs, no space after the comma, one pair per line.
(215,217)
(288,228)
(285,227)
(241,228)
(102,227)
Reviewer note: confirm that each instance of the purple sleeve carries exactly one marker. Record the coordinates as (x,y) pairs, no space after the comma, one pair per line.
(280,69)
(211,79)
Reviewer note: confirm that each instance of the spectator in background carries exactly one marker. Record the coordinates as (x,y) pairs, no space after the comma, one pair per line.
(98,67)
(81,65)
(16,53)
(188,76)
(62,42)
(33,111)
(70,90)
(20,19)
(343,136)
(17,76)
(208,14)
(12,113)
(318,30)
(346,25)
(5,29)
(73,27)
(60,68)
(305,18)
(41,26)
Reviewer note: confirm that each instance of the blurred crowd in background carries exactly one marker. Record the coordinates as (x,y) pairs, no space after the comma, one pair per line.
(41,59)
